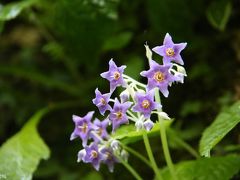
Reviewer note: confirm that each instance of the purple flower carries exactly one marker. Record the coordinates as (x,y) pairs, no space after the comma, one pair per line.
(124,96)
(81,155)
(109,158)
(83,126)
(148,125)
(170,51)
(101,101)
(145,103)
(179,77)
(159,76)
(93,156)
(118,114)
(100,129)
(114,75)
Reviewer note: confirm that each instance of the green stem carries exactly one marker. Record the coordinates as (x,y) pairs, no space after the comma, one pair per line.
(138,155)
(134,81)
(150,155)
(130,168)
(182,143)
(164,139)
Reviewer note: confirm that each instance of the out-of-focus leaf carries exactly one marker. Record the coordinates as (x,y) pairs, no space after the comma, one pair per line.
(232,148)
(218,13)
(93,175)
(12,10)
(220,168)
(117,42)
(1,26)
(84,27)
(191,107)
(21,154)
(134,66)
(129,134)
(40,78)
(222,125)
(54,49)
(193,130)
(165,16)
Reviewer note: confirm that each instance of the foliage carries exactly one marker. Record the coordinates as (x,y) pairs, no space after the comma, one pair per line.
(128,134)
(54,51)
(21,154)
(222,168)
(222,125)
(12,10)
(218,14)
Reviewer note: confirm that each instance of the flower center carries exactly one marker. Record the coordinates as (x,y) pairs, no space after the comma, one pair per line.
(94,154)
(119,115)
(145,104)
(170,52)
(108,155)
(99,131)
(102,100)
(83,128)
(116,75)
(158,76)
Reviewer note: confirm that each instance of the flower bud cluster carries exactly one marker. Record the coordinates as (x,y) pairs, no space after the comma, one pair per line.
(135,103)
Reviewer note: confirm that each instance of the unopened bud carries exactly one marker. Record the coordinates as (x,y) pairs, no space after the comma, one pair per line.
(81,155)
(115,145)
(180,69)
(164,115)
(148,125)
(148,52)
(124,96)
(139,125)
(124,155)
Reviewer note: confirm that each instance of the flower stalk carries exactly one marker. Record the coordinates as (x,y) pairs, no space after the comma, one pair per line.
(151,157)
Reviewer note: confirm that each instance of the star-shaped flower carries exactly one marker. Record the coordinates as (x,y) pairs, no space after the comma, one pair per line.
(159,76)
(114,75)
(109,158)
(118,114)
(145,103)
(100,128)
(93,155)
(83,126)
(101,101)
(170,51)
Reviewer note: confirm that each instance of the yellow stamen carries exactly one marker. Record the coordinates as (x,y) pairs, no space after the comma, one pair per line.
(99,131)
(83,128)
(119,115)
(158,76)
(145,104)
(170,52)
(109,156)
(103,101)
(116,75)
(94,154)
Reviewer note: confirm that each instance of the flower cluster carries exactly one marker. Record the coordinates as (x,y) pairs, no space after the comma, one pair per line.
(135,103)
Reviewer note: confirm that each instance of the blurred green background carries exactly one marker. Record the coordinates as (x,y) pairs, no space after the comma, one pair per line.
(54,50)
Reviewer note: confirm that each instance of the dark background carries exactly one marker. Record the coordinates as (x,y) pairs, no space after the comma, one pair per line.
(55,50)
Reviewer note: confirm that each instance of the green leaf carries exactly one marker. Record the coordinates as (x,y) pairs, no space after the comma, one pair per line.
(118,41)
(129,134)
(218,14)
(222,125)
(134,67)
(21,154)
(220,168)
(38,77)
(12,10)
(93,175)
